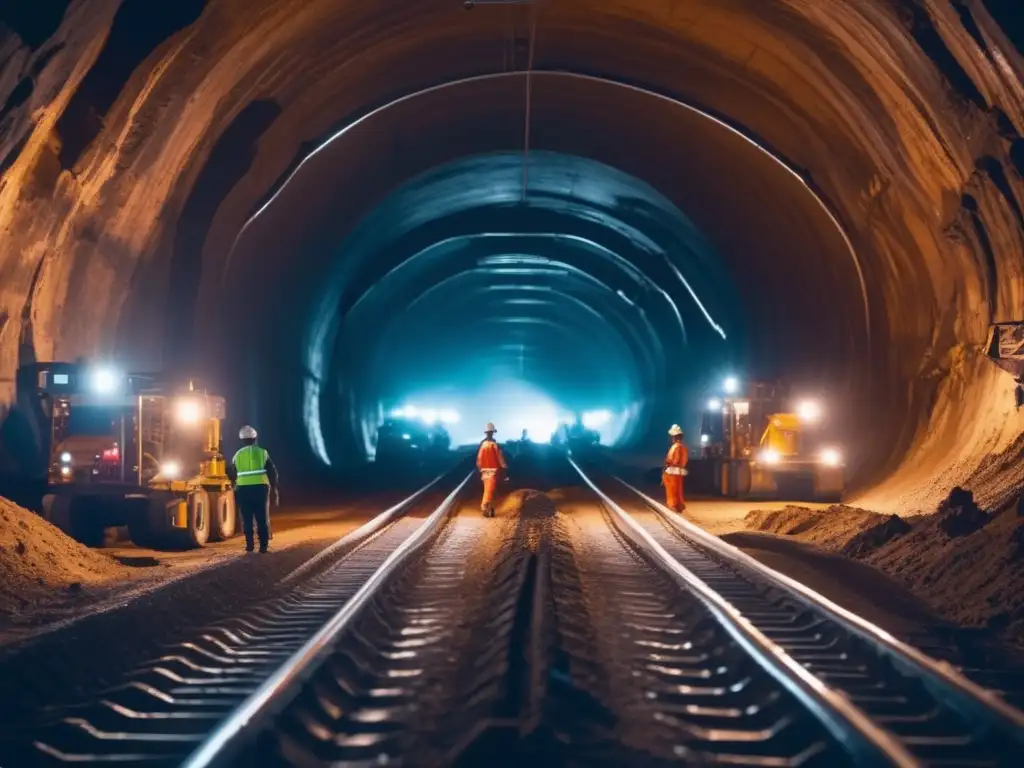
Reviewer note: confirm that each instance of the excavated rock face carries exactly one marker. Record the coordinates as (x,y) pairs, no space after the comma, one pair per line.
(135,143)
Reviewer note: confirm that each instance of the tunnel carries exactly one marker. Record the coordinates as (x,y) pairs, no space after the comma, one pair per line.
(330,209)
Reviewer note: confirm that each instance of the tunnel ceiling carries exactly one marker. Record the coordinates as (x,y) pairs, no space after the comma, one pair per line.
(854,168)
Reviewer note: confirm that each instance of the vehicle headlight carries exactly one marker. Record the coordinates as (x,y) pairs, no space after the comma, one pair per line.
(769,456)
(809,411)
(704,439)
(65,457)
(188,410)
(65,471)
(105,381)
(170,469)
(831,457)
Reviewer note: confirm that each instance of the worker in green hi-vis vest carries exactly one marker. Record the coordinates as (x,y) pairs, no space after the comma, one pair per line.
(255,478)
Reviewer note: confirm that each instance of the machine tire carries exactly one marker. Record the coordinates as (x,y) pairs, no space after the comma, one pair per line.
(197,530)
(142,534)
(140,526)
(84,527)
(155,530)
(223,516)
(743,477)
(57,511)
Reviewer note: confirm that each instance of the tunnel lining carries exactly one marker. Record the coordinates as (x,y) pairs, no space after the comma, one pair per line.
(329,338)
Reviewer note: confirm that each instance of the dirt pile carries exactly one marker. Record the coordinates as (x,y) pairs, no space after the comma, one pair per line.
(876,536)
(836,528)
(966,563)
(38,563)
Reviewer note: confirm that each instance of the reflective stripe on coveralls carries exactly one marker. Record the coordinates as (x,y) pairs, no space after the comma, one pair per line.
(250,463)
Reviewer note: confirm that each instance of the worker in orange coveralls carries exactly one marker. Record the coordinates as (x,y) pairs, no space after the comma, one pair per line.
(491,463)
(675,470)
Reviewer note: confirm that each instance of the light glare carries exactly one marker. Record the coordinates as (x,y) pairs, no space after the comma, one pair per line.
(770,456)
(104,380)
(731,385)
(714,404)
(831,457)
(170,469)
(187,410)
(809,410)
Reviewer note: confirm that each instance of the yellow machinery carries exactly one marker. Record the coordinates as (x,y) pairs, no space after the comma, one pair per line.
(762,445)
(131,450)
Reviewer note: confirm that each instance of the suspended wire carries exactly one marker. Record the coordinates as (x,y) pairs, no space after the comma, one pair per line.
(529,97)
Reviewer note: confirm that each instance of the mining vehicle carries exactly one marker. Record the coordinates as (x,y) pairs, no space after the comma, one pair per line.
(764,444)
(579,437)
(138,450)
(411,441)
(1005,348)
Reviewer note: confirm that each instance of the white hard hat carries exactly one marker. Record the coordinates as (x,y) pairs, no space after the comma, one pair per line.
(490,427)
(675,429)
(247,433)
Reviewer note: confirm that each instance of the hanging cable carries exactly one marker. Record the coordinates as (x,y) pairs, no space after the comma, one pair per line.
(529,98)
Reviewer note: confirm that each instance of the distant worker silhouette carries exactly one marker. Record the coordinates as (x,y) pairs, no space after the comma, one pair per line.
(490,461)
(254,476)
(675,469)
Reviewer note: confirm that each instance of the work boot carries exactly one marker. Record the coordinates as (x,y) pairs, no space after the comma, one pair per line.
(263,550)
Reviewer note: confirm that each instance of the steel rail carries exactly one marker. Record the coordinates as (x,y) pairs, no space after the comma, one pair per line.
(853,728)
(277,691)
(971,700)
(364,531)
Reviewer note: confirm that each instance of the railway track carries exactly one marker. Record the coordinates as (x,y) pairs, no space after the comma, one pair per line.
(921,711)
(170,704)
(608,634)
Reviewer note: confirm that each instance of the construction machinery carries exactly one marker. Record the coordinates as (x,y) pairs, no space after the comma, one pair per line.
(136,450)
(759,442)
(411,441)
(1005,348)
